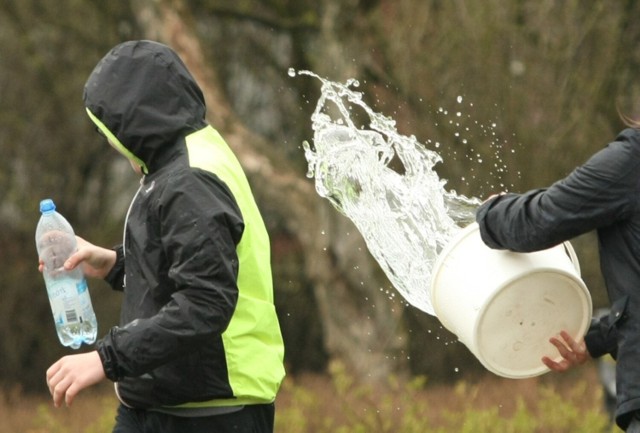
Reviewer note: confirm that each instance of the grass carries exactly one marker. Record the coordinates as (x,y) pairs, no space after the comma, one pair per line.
(92,412)
(336,403)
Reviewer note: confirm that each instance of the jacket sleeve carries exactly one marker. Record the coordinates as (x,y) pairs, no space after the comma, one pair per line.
(115,277)
(594,195)
(602,336)
(200,228)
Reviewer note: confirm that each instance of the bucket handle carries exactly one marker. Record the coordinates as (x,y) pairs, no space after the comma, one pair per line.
(572,255)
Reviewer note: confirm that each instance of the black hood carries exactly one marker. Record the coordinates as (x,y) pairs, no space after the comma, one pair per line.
(144,99)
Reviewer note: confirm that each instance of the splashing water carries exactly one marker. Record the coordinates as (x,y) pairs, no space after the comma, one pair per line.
(404,214)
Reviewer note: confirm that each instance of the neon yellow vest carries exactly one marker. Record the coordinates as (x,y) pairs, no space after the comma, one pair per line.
(253,343)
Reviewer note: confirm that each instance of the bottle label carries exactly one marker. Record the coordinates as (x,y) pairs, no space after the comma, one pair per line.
(81,286)
(64,301)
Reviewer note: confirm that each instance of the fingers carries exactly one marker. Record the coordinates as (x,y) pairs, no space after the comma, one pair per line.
(576,352)
(492,196)
(83,253)
(558,366)
(76,258)
(573,353)
(562,349)
(578,348)
(71,374)
(70,394)
(55,382)
(60,381)
(96,261)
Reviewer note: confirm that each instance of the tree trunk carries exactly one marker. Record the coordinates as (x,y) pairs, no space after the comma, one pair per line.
(360,325)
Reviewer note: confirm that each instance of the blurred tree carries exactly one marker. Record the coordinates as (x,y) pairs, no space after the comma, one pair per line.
(513,94)
(356,330)
(50,150)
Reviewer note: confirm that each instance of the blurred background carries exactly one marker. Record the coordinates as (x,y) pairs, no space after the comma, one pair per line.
(540,84)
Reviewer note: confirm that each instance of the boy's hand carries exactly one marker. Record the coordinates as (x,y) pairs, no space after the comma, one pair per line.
(71,374)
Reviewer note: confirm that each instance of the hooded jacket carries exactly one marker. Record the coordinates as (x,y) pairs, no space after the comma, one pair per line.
(198,325)
(602,195)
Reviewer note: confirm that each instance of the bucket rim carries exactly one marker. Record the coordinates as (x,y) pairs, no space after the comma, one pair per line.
(437,266)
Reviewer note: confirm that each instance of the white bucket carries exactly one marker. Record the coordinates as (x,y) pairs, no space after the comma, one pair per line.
(504,306)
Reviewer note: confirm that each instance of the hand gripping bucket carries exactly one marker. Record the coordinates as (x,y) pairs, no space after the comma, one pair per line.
(504,306)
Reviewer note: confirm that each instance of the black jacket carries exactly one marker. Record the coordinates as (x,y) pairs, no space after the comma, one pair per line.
(602,195)
(198,325)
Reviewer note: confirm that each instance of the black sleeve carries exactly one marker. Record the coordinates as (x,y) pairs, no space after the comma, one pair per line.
(602,336)
(596,194)
(115,277)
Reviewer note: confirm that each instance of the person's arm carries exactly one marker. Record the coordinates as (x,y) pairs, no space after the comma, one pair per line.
(596,194)
(201,226)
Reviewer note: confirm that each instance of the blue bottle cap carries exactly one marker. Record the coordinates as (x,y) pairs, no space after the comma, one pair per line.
(47,205)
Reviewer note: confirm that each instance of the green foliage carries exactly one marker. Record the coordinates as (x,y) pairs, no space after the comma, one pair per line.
(561,416)
(104,422)
(46,419)
(97,418)
(340,404)
(402,407)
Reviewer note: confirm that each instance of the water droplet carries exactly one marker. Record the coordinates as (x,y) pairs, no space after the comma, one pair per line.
(291,72)
(459,99)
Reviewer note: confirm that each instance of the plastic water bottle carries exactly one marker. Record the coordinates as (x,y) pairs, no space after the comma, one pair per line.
(69,297)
